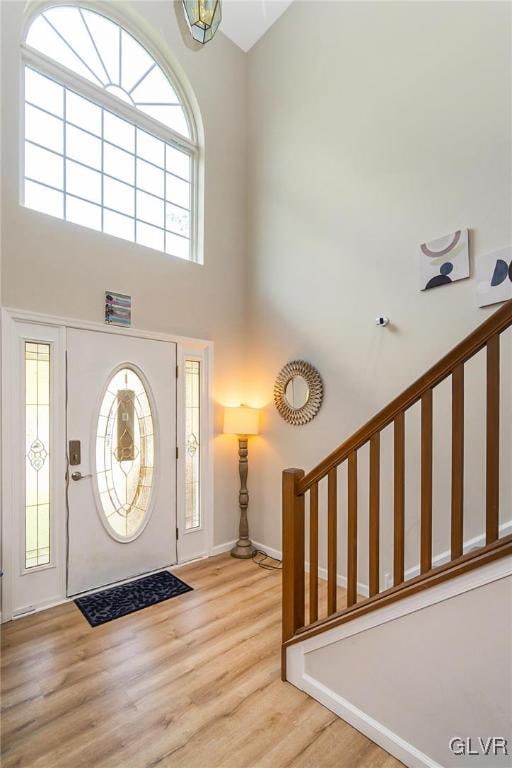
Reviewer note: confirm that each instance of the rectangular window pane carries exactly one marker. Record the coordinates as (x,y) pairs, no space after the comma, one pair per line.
(177,220)
(150,209)
(41,198)
(150,148)
(118,225)
(83,182)
(118,196)
(150,178)
(177,191)
(42,165)
(85,214)
(118,131)
(118,163)
(150,236)
(83,147)
(192,444)
(177,162)
(177,246)
(83,113)
(44,92)
(44,129)
(37,454)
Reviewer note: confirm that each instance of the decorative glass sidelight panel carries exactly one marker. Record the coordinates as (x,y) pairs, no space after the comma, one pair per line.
(125,454)
(37,454)
(192,444)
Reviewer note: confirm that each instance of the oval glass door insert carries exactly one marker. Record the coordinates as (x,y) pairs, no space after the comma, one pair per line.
(125,451)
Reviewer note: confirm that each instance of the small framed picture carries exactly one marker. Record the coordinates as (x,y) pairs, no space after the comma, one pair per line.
(118,309)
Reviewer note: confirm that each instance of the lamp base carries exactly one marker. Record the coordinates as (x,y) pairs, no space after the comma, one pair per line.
(243,549)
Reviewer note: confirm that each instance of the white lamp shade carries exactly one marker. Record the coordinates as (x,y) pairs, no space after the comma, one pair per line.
(241,420)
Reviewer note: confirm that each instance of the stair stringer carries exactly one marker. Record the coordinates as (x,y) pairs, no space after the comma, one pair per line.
(359,715)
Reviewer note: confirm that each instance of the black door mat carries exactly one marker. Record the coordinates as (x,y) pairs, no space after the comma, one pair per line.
(112,603)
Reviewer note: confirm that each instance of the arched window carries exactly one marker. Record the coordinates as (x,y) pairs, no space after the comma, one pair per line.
(110,142)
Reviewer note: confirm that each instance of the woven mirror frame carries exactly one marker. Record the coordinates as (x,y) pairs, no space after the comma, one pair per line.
(307,412)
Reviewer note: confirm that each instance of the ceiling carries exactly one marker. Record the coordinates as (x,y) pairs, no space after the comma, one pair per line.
(245,21)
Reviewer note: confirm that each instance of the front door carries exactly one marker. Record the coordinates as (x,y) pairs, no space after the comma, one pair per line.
(121,433)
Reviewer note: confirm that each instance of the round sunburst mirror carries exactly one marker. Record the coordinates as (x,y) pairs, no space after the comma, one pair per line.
(298,392)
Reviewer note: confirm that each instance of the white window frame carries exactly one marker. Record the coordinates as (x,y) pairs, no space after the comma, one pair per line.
(68,79)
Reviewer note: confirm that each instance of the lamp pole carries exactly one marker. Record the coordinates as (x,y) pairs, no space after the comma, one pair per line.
(243,549)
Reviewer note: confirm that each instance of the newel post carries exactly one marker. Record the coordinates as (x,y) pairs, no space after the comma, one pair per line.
(293,553)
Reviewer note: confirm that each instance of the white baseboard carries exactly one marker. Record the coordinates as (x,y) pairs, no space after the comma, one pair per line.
(218,549)
(374,730)
(341,580)
(51,602)
(362,589)
(271,552)
(445,557)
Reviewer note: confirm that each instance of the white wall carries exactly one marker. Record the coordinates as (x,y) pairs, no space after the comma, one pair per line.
(372,128)
(411,677)
(362,142)
(59,268)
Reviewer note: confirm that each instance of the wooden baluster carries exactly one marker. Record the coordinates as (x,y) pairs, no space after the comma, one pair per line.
(374,527)
(293,554)
(457,461)
(426,482)
(399,500)
(352,530)
(332,540)
(493,440)
(313,553)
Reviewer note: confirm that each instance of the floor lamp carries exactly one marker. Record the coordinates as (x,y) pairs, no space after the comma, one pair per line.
(242,421)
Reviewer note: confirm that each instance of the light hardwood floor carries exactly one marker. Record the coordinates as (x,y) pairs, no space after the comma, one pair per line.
(193,682)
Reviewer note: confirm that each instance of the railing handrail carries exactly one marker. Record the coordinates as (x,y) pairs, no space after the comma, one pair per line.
(460,354)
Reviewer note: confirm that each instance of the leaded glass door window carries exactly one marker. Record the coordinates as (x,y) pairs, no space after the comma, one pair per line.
(125,454)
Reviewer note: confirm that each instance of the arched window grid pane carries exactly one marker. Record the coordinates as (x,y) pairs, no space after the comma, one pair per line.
(171,232)
(97,49)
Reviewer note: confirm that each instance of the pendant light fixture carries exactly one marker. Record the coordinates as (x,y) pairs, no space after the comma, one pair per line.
(203,18)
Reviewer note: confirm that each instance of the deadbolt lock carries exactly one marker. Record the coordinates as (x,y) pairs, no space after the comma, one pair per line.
(75,456)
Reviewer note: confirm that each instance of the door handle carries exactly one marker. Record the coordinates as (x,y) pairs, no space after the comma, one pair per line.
(78,476)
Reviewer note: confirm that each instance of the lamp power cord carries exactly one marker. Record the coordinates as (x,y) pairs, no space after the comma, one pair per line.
(263,558)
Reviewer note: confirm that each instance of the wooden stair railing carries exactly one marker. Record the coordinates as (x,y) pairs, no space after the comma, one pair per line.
(296,484)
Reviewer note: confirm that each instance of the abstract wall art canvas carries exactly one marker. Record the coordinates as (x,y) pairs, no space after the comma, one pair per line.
(444,260)
(494,277)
